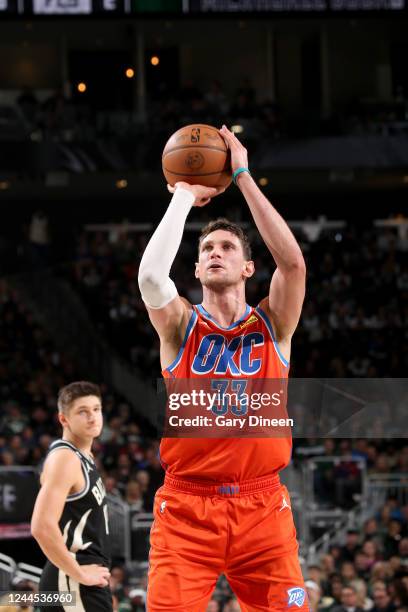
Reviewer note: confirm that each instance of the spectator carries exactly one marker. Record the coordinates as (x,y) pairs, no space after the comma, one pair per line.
(134,497)
(403,551)
(314,594)
(392,538)
(370,550)
(335,589)
(382,599)
(111,488)
(348,600)
(348,571)
(363,601)
(348,551)
(362,565)
(315,574)
(138,600)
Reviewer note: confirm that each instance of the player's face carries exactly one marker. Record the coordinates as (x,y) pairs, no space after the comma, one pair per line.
(84,418)
(221,260)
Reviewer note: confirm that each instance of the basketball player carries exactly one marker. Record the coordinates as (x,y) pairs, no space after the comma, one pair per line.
(70,518)
(222,508)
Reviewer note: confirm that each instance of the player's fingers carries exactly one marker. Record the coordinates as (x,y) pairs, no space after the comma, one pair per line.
(226,134)
(171,189)
(225,130)
(230,137)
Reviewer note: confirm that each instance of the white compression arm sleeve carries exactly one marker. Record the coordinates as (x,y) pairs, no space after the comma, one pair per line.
(156,287)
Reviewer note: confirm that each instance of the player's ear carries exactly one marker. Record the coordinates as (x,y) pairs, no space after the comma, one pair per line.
(249,269)
(62,419)
(196,274)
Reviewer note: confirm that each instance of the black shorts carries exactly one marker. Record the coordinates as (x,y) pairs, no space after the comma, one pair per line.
(88,598)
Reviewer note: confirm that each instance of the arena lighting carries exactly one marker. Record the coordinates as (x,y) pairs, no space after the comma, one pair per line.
(4,185)
(130,73)
(237,129)
(154,60)
(405,179)
(263,181)
(81,87)
(121,184)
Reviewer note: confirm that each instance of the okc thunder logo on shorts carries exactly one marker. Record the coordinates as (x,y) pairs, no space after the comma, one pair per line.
(296,597)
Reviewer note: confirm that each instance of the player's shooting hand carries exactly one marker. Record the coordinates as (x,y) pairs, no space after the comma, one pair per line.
(239,154)
(201,193)
(94,575)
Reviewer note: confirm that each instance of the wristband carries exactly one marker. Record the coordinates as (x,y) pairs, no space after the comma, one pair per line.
(237,172)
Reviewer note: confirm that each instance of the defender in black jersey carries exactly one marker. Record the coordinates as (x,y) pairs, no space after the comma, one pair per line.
(70,518)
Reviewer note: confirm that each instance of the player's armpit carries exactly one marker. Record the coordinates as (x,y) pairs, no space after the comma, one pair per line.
(285,300)
(170,322)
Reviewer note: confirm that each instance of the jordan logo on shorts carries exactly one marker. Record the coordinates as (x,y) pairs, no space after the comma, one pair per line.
(284,504)
(162,507)
(296,597)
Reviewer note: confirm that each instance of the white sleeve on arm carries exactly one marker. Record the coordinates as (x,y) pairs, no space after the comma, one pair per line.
(156,287)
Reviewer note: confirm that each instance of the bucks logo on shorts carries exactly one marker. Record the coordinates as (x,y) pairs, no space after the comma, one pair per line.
(296,597)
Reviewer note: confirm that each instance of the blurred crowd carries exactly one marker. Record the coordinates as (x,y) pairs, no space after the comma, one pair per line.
(62,118)
(83,117)
(368,570)
(354,321)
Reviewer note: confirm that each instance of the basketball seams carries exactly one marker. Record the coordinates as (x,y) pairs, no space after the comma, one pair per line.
(200,174)
(193,146)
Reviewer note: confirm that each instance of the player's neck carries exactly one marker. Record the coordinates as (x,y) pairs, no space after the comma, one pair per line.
(225,307)
(82,444)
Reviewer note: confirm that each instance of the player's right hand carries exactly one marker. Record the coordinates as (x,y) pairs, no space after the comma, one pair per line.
(201,193)
(94,575)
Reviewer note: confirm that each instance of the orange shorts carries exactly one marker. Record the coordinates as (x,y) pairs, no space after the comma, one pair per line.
(244,531)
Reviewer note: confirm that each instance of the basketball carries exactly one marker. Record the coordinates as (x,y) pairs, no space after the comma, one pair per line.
(197,154)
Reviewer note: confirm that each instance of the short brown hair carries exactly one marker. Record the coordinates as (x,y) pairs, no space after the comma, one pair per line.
(229,226)
(68,394)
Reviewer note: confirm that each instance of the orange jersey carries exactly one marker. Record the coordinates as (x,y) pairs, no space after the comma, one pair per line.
(247,349)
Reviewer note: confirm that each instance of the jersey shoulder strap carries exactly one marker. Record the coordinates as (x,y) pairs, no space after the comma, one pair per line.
(58,444)
(86,465)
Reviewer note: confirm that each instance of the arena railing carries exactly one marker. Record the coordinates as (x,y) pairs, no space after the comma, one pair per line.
(7,570)
(26,571)
(119,529)
(379,487)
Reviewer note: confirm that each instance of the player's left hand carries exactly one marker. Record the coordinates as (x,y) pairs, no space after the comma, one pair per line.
(239,154)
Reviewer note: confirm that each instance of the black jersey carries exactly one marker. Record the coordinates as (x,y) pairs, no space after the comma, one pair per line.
(84,521)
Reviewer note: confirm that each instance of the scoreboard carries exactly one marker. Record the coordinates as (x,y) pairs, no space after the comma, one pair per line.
(279,6)
(90,7)
(194,8)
